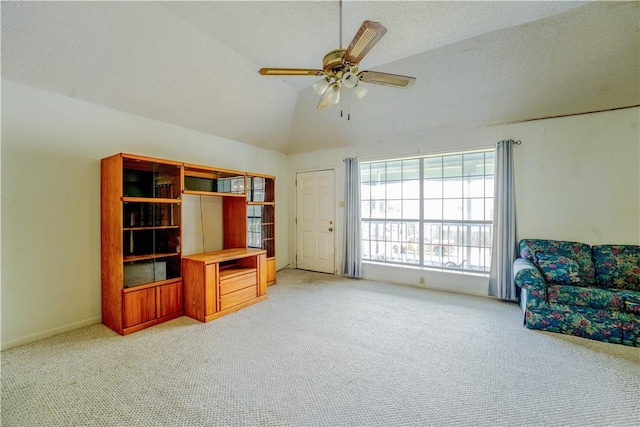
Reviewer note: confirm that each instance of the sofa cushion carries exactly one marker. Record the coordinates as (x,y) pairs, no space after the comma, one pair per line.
(585,297)
(617,266)
(558,268)
(579,252)
(601,325)
(631,301)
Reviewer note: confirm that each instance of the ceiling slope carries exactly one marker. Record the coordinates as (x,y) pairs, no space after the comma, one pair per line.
(194,64)
(584,60)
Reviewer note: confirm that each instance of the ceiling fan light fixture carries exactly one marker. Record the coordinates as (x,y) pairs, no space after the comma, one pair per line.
(360,90)
(330,96)
(321,86)
(334,93)
(349,80)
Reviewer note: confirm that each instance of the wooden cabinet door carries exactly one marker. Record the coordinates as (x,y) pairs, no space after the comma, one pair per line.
(169,299)
(139,307)
(271,271)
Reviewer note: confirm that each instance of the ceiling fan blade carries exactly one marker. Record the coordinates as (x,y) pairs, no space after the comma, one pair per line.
(290,72)
(386,79)
(367,36)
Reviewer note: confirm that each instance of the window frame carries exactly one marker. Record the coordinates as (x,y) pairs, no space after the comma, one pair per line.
(406,240)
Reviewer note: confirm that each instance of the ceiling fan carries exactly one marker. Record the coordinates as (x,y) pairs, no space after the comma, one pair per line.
(340,67)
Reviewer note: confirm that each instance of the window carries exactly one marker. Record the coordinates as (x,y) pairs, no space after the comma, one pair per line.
(434,211)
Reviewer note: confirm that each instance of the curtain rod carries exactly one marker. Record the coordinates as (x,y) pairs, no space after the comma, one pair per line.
(412,156)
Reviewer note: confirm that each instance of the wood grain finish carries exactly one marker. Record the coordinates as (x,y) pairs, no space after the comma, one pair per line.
(248,278)
(211,288)
(220,282)
(169,299)
(195,293)
(112,275)
(271,271)
(237,297)
(267,221)
(139,307)
(127,310)
(235,230)
(262,275)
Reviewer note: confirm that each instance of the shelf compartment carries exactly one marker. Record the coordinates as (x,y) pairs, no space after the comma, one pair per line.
(150,200)
(160,227)
(210,181)
(260,188)
(149,179)
(147,257)
(142,215)
(261,227)
(150,242)
(143,271)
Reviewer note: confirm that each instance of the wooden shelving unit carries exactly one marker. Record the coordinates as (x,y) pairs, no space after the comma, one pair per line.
(261,219)
(141,229)
(141,234)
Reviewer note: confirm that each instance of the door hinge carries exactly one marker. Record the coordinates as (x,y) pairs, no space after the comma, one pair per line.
(296,220)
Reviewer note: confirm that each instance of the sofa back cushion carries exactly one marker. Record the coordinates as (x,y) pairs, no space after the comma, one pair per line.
(617,266)
(558,268)
(536,250)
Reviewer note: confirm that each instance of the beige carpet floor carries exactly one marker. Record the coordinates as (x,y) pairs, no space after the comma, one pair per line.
(323,350)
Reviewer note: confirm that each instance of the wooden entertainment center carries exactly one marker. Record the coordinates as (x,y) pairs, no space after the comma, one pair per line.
(145,278)
(221,282)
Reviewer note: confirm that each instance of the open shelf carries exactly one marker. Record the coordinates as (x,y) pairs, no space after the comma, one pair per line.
(205,180)
(133,258)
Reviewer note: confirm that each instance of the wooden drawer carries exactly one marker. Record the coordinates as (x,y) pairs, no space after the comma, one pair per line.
(237,282)
(238,297)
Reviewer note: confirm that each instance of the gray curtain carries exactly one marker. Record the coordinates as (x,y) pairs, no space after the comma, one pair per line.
(352,249)
(504,248)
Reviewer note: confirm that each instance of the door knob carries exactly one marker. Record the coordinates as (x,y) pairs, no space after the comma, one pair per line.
(331,229)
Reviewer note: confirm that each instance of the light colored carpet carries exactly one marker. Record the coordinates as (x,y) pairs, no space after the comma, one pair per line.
(322,350)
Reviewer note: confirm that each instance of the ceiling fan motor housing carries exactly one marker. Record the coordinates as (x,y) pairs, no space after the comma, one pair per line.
(334,66)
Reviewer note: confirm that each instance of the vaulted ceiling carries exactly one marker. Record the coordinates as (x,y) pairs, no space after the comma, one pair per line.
(195,64)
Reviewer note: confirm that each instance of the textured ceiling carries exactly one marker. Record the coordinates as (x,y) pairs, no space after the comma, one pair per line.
(194,64)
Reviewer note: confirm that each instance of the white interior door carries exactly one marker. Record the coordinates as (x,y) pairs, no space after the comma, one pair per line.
(314,221)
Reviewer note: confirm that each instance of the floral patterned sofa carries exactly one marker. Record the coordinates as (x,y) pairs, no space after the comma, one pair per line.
(577,289)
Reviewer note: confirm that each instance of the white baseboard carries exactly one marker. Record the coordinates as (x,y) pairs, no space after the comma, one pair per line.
(467,284)
(49,333)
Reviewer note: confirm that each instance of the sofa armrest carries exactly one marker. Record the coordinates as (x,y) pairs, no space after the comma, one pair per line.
(527,276)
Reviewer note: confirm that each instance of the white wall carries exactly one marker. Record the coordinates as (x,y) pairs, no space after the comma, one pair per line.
(577,178)
(51,151)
